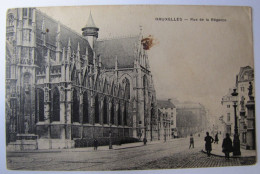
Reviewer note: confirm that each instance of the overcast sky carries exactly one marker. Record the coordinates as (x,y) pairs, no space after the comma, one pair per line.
(192,60)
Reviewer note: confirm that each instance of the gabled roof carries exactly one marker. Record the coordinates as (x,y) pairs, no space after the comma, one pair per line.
(122,48)
(165,104)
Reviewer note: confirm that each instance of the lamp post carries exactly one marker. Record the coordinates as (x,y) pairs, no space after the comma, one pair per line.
(236,141)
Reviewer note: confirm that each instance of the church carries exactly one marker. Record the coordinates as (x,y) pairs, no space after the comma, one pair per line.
(62,86)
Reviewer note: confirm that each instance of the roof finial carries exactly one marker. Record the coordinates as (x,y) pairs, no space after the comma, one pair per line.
(116,63)
(43,25)
(90,23)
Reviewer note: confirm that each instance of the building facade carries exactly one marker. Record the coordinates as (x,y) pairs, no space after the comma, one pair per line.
(246,124)
(244,110)
(191,118)
(227,114)
(168,110)
(63,86)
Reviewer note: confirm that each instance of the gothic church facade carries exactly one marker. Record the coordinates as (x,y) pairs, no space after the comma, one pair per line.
(63,86)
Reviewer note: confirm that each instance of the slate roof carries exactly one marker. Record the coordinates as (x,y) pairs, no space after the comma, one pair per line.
(123,48)
(165,104)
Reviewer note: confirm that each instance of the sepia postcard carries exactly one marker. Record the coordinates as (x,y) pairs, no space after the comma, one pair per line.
(101,88)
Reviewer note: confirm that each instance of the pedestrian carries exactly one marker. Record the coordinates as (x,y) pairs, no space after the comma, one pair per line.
(216,139)
(191,141)
(227,146)
(208,140)
(145,141)
(95,144)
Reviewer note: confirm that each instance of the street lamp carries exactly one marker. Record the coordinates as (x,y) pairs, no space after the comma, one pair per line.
(236,141)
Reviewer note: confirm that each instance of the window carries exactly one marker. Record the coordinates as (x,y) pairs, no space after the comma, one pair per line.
(228,116)
(125,114)
(75,109)
(242,89)
(228,106)
(85,108)
(56,105)
(41,104)
(96,109)
(112,113)
(119,119)
(105,111)
(127,88)
(172,114)
(25,12)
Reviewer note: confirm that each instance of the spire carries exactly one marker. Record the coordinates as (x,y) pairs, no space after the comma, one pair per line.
(90,31)
(43,25)
(63,54)
(69,50)
(48,57)
(86,56)
(90,23)
(58,38)
(43,32)
(94,59)
(78,61)
(100,62)
(78,49)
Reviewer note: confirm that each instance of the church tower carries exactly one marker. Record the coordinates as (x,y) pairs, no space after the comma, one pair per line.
(90,31)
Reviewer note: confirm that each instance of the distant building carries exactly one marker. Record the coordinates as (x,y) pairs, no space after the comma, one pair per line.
(168,110)
(245,122)
(190,118)
(227,114)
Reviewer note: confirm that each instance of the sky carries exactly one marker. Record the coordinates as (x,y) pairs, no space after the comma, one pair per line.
(191,60)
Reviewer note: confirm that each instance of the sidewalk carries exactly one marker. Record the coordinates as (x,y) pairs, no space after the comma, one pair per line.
(217,151)
(90,149)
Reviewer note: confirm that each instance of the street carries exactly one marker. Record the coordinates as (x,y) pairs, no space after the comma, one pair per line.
(172,154)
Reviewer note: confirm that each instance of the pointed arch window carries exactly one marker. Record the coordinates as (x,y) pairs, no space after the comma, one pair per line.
(105,111)
(119,118)
(85,108)
(96,109)
(112,113)
(41,104)
(75,109)
(125,114)
(127,88)
(56,105)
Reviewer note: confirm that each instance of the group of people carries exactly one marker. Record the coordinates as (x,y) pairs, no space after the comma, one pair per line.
(226,145)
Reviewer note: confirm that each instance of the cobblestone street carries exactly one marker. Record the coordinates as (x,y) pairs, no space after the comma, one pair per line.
(194,159)
(156,155)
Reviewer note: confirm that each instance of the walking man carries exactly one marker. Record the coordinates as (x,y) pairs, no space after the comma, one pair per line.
(95,144)
(191,141)
(227,146)
(208,140)
(216,139)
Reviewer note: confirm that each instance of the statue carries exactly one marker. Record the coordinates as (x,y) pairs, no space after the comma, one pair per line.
(250,89)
